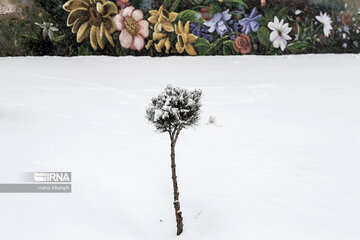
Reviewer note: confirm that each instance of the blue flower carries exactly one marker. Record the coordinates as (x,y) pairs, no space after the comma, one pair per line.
(346,29)
(195,29)
(250,22)
(201,31)
(233,27)
(218,23)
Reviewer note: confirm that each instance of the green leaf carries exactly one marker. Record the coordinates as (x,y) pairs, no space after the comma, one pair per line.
(236,1)
(190,15)
(201,45)
(31,38)
(300,31)
(166,3)
(274,51)
(175,5)
(214,47)
(228,48)
(263,22)
(263,34)
(59,38)
(269,14)
(214,8)
(197,2)
(283,13)
(297,46)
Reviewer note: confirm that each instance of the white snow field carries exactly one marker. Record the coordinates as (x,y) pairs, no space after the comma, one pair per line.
(282,162)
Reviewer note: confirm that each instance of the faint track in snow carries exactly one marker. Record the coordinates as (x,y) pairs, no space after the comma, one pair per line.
(12,102)
(71,117)
(94,85)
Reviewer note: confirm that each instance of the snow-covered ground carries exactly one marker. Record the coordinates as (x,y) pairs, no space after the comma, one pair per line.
(282,162)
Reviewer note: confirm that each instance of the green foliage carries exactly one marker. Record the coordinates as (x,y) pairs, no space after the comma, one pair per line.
(283,13)
(263,21)
(215,47)
(197,2)
(263,34)
(190,15)
(175,5)
(241,2)
(269,14)
(59,38)
(166,3)
(174,108)
(20,36)
(221,46)
(228,48)
(201,45)
(297,46)
(214,8)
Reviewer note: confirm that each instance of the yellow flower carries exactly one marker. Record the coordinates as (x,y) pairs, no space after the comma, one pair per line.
(162,19)
(15,43)
(149,44)
(185,39)
(40,14)
(92,17)
(164,41)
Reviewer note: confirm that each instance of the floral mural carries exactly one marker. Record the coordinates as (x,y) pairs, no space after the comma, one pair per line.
(179,27)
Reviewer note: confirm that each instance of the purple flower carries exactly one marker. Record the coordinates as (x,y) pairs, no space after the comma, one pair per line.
(250,22)
(195,29)
(346,29)
(233,27)
(338,19)
(218,23)
(201,31)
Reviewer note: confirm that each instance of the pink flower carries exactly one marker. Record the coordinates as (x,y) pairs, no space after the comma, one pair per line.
(133,28)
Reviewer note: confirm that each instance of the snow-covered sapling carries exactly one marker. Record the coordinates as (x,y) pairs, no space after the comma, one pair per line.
(171,111)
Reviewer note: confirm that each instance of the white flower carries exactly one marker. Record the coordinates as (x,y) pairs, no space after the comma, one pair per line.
(48,29)
(326,20)
(279,35)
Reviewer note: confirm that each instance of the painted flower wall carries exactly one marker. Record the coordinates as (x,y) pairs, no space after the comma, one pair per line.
(178,27)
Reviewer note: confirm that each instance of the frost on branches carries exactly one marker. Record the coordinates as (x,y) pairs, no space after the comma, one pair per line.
(174,109)
(171,111)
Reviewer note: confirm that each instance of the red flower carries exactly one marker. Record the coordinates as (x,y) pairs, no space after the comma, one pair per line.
(205,13)
(255,46)
(322,38)
(346,19)
(123,3)
(295,28)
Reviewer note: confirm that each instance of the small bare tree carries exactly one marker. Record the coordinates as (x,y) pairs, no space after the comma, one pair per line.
(171,111)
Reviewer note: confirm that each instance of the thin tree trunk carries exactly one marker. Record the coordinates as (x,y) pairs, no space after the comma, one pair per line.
(178,213)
